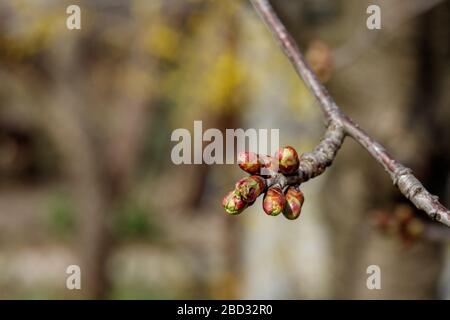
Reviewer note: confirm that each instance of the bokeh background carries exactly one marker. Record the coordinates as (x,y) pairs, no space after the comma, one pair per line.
(86,176)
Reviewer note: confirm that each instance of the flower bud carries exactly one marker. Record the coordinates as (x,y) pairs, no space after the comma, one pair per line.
(414,228)
(233,204)
(268,165)
(288,161)
(274,201)
(250,188)
(320,58)
(249,162)
(294,202)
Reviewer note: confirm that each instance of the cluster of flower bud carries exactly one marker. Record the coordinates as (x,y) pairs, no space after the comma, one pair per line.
(248,189)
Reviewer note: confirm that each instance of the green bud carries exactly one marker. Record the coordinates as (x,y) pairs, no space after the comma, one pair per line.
(250,188)
(233,204)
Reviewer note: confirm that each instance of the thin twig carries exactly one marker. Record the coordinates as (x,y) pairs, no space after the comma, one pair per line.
(339,125)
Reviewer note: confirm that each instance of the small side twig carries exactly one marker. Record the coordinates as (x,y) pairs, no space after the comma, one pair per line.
(338,126)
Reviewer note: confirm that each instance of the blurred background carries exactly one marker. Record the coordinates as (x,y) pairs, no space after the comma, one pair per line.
(86,176)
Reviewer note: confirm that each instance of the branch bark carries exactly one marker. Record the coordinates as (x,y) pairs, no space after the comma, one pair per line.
(339,126)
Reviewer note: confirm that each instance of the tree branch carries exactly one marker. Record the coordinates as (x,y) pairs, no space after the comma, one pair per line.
(338,126)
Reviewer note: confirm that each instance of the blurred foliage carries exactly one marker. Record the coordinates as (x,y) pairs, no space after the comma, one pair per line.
(154,155)
(39,293)
(61,216)
(140,292)
(134,221)
(209,80)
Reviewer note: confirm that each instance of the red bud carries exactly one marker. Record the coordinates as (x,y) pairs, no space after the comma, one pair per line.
(250,188)
(294,202)
(233,204)
(288,161)
(274,201)
(269,164)
(249,162)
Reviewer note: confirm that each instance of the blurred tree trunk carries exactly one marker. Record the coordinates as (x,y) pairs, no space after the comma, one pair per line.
(100,170)
(66,125)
